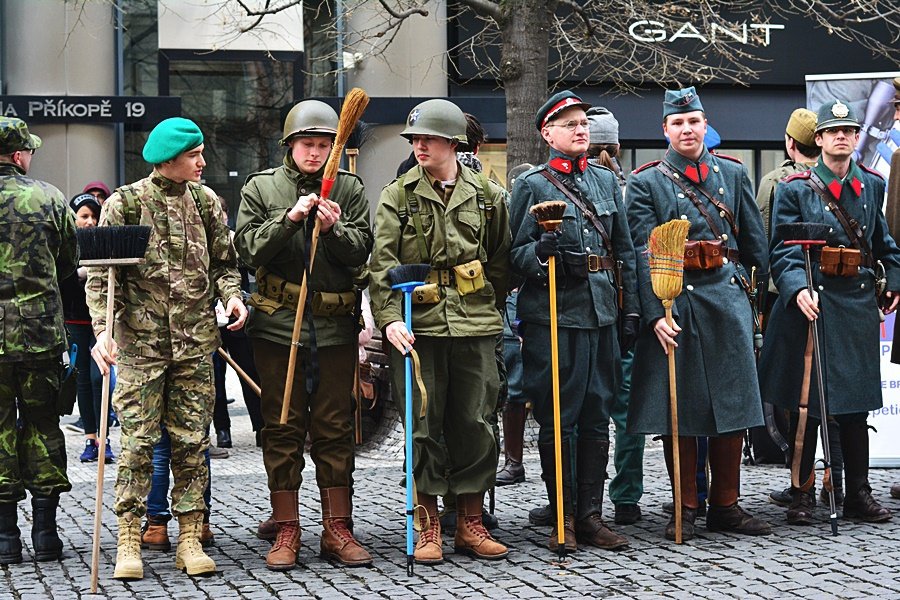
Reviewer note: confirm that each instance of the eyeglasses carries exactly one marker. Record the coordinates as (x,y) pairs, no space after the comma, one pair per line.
(846,130)
(573,124)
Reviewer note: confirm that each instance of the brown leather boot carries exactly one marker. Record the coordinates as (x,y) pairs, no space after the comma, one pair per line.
(724,514)
(548,474)
(338,542)
(895,491)
(155,533)
(514,417)
(267,530)
(472,537)
(687,454)
(590,528)
(858,501)
(429,547)
(283,555)
(207,538)
(571,540)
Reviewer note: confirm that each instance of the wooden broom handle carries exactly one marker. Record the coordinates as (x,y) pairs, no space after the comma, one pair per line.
(242,373)
(676,448)
(557,419)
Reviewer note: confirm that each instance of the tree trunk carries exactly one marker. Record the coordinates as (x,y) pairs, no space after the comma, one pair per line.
(525,32)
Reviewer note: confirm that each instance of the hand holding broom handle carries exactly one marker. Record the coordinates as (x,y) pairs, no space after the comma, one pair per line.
(666,258)
(549,215)
(354,105)
(807,235)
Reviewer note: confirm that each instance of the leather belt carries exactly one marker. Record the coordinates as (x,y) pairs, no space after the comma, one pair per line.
(595,263)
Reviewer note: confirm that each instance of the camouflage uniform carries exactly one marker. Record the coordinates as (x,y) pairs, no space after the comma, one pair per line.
(166,334)
(37,249)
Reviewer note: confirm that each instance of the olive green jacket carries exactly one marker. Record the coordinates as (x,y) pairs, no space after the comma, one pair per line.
(266,238)
(454,235)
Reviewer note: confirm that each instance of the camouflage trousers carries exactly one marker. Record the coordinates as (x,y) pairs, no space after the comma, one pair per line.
(178,394)
(32,454)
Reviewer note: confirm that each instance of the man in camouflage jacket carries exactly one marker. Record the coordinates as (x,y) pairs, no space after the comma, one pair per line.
(37,249)
(165,335)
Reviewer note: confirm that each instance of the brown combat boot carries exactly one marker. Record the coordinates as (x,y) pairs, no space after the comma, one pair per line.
(515,415)
(858,501)
(687,454)
(548,474)
(283,555)
(267,530)
(590,528)
(571,540)
(472,537)
(155,533)
(207,538)
(429,547)
(337,541)
(724,514)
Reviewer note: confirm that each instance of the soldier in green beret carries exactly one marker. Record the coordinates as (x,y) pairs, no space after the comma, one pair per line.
(443,213)
(718,395)
(847,196)
(37,243)
(165,335)
(596,262)
(279,208)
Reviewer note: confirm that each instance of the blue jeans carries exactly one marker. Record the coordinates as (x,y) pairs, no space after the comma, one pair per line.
(158,498)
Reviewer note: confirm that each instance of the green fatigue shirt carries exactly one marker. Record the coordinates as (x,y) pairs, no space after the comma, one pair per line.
(456,232)
(765,195)
(267,239)
(163,306)
(37,250)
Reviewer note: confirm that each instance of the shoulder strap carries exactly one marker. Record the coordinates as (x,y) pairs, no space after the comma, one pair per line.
(203,208)
(582,206)
(687,187)
(412,207)
(849,224)
(666,170)
(131,208)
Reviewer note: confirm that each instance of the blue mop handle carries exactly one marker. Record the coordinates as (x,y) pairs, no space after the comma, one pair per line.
(407,310)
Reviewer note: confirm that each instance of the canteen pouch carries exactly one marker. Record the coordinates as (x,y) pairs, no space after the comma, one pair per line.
(700,255)
(426,294)
(469,277)
(333,304)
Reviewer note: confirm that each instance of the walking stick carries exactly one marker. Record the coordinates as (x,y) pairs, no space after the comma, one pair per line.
(354,105)
(807,235)
(666,258)
(242,373)
(406,278)
(109,247)
(549,215)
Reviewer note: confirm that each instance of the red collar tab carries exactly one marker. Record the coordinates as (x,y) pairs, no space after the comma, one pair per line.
(856,184)
(564,165)
(564,103)
(835,188)
(696,175)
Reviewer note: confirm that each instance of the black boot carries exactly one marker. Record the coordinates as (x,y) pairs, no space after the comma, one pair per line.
(592,458)
(513,471)
(548,468)
(858,501)
(10,540)
(44,537)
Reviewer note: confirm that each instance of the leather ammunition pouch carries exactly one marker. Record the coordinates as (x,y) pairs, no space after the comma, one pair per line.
(579,265)
(701,255)
(840,262)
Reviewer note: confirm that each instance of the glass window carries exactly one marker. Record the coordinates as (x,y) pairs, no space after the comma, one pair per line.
(493,162)
(769,160)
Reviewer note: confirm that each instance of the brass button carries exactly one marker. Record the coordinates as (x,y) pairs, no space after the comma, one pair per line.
(724,237)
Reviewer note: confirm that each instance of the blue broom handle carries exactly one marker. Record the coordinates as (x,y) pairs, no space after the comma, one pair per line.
(407,305)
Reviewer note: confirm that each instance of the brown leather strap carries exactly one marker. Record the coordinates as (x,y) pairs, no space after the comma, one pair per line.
(689,190)
(849,224)
(803,409)
(589,214)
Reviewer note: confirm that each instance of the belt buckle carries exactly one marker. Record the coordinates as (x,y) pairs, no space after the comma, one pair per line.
(593,263)
(444,276)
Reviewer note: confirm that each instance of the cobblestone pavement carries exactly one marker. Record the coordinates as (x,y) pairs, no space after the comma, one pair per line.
(794,562)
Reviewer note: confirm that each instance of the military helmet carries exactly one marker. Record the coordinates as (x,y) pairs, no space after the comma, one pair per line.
(436,117)
(309,118)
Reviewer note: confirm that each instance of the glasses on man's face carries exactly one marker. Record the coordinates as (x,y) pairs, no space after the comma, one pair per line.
(846,130)
(573,124)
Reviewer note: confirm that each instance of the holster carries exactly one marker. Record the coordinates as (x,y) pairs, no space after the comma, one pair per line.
(68,390)
(840,262)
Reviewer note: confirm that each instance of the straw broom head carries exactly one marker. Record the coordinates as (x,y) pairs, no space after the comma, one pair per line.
(354,104)
(666,256)
(549,214)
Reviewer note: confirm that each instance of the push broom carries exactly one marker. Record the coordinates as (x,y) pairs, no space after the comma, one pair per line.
(666,257)
(354,104)
(111,247)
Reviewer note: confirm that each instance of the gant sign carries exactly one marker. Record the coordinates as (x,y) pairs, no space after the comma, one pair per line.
(648,30)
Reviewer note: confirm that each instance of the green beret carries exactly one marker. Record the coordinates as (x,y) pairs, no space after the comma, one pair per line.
(677,102)
(170,138)
(836,114)
(14,136)
(557,103)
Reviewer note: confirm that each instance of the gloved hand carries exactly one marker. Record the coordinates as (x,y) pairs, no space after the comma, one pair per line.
(547,246)
(631,324)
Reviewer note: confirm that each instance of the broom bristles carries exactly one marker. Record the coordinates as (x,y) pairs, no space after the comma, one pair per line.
(354,104)
(408,273)
(666,257)
(113,242)
(549,214)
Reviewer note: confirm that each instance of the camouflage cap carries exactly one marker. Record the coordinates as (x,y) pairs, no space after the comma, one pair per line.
(14,136)
(802,126)
(836,114)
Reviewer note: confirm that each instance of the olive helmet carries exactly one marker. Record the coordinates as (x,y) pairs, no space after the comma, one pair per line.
(309,118)
(437,117)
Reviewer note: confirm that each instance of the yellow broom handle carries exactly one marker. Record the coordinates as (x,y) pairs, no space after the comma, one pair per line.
(676,448)
(557,419)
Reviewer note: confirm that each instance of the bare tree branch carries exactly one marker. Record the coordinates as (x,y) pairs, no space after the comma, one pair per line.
(402,15)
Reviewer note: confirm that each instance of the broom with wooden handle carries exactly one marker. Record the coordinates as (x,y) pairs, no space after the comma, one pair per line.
(109,247)
(666,257)
(549,215)
(354,104)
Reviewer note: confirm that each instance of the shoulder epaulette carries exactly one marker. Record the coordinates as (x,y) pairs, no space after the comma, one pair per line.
(645,166)
(350,174)
(258,173)
(803,175)
(872,171)
(599,166)
(731,158)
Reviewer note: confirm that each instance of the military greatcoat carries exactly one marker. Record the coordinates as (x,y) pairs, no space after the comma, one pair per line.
(716,371)
(849,318)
